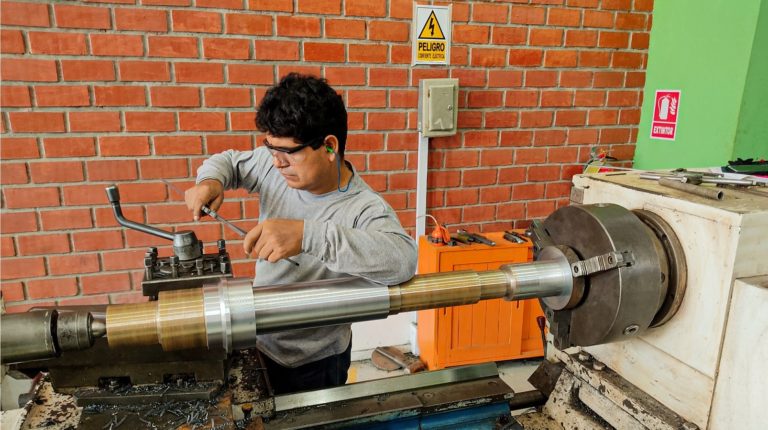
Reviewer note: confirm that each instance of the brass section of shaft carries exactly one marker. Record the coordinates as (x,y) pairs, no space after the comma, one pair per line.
(447,289)
(175,321)
(181,319)
(132,324)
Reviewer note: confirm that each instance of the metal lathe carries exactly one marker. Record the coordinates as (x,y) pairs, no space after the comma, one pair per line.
(655,301)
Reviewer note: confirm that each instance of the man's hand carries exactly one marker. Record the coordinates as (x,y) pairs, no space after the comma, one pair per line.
(274,239)
(208,192)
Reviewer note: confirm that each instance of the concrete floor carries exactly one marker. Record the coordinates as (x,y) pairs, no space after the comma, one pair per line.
(515,372)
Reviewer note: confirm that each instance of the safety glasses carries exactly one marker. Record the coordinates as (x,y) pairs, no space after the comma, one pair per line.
(295,153)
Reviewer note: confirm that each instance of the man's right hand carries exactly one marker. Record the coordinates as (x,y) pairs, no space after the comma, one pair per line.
(208,192)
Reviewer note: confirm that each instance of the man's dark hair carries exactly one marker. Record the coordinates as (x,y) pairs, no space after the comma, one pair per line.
(305,108)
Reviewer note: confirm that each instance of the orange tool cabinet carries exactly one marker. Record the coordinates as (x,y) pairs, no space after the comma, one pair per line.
(490,330)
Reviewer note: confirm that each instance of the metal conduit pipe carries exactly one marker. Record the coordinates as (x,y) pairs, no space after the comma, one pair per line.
(228,315)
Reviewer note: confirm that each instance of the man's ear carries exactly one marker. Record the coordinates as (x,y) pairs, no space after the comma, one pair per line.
(331,147)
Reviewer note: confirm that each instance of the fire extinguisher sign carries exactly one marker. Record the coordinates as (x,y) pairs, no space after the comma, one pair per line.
(665,109)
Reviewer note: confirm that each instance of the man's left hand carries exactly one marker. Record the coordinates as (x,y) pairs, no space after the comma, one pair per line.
(275,239)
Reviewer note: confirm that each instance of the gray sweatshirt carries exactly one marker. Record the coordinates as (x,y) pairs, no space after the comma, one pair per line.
(351,233)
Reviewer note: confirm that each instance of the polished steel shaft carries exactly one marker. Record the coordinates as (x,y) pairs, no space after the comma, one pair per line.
(230,314)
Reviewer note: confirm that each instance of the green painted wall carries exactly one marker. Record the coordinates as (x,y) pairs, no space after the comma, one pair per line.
(706,49)
(752,132)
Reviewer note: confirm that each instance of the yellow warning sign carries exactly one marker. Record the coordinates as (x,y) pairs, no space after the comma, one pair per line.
(432,29)
(431,41)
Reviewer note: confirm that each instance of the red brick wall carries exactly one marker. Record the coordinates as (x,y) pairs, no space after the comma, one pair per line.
(134,91)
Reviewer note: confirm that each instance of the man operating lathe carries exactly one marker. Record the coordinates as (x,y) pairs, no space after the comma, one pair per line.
(314,209)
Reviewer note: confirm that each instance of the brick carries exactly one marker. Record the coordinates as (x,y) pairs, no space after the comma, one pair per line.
(324,52)
(94,121)
(367,53)
(271,5)
(56,171)
(276,50)
(623,98)
(242,121)
(480,138)
(469,78)
(563,17)
(142,193)
(216,143)
(256,25)
(220,4)
(490,13)
(17,222)
(115,146)
(598,19)
(560,59)
(389,31)
(69,16)
(18,148)
(227,97)
(549,137)
(172,46)
(510,35)
(47,96)
(12,291)
(87,70)
(530,156)
(199,72)
(583,3)
(150,121)
(463,33)
(527,191)
(178,145)
(478,99)
(250,74)
(403,99)
(589,98)
(57,43)
(202,121)
(537,78)
(366,98)
(176,96)
(603,117)
(558,189)
(13,173)
(24,14)
(495,194)
(478,177)
(35,122)
(164,168)
(617,4)
(119,96)
(640,40)
(614,135)
(97,240)
(374,8)
(629,60)
(488,57)
(111,170)
(546,37)
(527,15)
(22,69)
(581,38)
(123,260)
(556,98)
(382,77)
(496,157)
(104,217)
(461,197)
(644,5)
(118,45)
(594,59)
(96,284)
(196,21)
(144,71)
(43,244)
(141,19)
(571,118)
(11,42)
(344,28)
(18,198)
(539,209)
(629,116)
(298,26)
(613,39)
(525,57)
(580,79)
(65,219)
(61,147)
(15,96)
(51,288)
(386,121)
(325,7)
(529,119)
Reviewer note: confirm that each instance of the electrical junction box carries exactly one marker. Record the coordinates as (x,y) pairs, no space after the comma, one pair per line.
(438,107)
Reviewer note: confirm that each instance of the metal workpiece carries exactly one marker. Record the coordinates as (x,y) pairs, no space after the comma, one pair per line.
(446,289)
(317,303)
(230,314)
(550,276)
(74,330)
